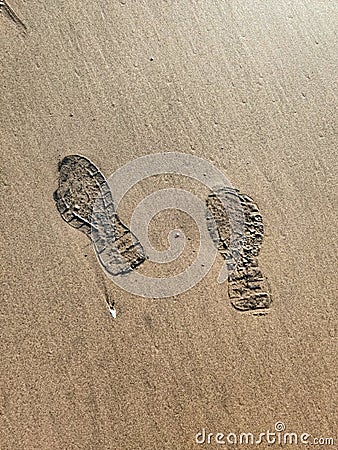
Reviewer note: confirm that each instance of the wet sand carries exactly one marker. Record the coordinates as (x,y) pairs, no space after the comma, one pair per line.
(249,86)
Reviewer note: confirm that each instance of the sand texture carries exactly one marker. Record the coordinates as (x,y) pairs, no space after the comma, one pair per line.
(249,86)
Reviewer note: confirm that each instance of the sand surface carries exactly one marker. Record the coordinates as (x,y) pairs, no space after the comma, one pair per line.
(250,86)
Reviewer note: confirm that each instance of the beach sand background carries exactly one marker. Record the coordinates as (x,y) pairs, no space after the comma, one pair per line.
(249,86)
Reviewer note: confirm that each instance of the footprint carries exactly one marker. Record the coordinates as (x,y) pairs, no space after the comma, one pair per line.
(84,201)
(246,284)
